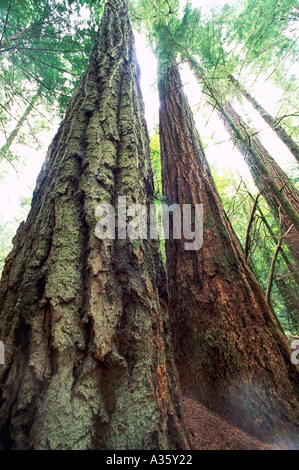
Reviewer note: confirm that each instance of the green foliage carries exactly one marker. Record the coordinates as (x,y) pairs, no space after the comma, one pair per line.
(6,233)
(156,19)
(238,199)
(156,162)
(44,49)
(261,27)
(156,167)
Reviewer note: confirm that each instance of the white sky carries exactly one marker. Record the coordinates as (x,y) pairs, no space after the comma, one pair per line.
(222,155)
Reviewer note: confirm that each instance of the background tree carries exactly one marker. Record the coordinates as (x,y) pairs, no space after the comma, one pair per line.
(214,351)
(44,49)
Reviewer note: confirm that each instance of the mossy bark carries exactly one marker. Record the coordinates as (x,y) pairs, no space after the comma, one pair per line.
(84,321)
(229,349)
(277,188)
(277,128)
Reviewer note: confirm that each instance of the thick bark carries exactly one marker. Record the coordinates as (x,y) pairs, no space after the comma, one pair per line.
(84,321)
(13,135)
(280,131)
(230,352)
(288,288)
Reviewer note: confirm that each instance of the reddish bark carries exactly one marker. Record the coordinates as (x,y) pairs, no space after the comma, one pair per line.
(230,352)
(84,321)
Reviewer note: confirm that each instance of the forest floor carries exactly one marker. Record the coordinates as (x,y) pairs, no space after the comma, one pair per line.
(207,431)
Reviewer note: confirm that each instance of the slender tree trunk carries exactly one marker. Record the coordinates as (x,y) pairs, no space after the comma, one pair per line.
(280,131)
(84,321)
(290,299)
(12,136)
(278,189)
(272,266)
(288,290)
(230,352)
(252,216)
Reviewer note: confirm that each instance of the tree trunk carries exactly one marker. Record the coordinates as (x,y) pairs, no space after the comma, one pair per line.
(230,352)
(12,136)
(291,301)
(280,131)
(277,188)
(84,321)
(287,289)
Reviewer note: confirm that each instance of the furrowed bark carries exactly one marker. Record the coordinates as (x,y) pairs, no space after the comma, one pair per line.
(278,129)
(84,321)
(230,352)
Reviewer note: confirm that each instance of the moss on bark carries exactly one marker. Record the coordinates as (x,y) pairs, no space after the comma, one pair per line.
(89,361)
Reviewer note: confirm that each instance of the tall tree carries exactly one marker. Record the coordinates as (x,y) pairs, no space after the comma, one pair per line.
(230,352)
(273,123)
(84,321)
(277,188)
(14,133)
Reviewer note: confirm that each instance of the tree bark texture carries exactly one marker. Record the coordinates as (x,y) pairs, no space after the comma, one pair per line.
(84,321)
(229,350)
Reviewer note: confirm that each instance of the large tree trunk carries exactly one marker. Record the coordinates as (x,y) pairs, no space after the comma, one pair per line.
(288,286)
(84,321)
(278,190)
(229,349)
(277,128)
